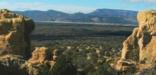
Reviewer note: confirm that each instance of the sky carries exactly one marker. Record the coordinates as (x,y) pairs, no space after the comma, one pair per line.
(72,6)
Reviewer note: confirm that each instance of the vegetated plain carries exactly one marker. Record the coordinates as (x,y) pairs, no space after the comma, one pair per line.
(90,47)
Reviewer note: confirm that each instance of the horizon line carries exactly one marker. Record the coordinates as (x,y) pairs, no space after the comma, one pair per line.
(23,10)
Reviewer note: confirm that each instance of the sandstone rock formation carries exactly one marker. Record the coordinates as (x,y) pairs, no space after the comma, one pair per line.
(38,64)
(46,61)
(15,34)
(40,55)
(142,38)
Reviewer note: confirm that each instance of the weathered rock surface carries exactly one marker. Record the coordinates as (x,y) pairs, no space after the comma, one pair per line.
(15,33)
(40,55)
(45,61)
(142,38)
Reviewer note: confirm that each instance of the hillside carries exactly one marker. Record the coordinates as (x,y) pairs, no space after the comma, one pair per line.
(99,15)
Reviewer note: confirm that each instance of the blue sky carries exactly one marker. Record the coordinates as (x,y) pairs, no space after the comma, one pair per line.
(72,6)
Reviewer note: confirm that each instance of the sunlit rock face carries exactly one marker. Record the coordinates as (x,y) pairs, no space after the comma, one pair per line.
(46,61)
(40,55)
(147,41)
(143,38)
(38,64)
(15,33)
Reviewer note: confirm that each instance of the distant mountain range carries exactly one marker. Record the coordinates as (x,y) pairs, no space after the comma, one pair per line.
(97,16)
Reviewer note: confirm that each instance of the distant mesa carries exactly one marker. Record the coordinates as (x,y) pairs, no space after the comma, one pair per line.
(97,16)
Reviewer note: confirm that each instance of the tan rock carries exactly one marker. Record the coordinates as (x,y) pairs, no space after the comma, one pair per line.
(15,33)
(40,55)
(125,66)
(38,64)
(142,38)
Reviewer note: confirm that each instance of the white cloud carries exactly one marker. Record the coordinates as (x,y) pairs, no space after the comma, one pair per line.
(45,6)
(149,1)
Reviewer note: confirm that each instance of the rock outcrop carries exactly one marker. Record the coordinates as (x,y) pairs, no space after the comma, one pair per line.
(45,61)
(142,38)
(40,55)
(38,64)
(15,50)
(15,33)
